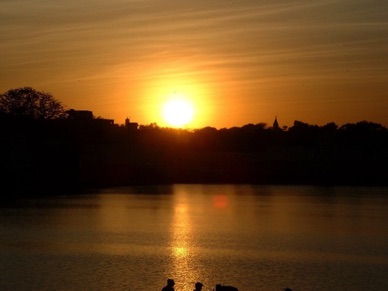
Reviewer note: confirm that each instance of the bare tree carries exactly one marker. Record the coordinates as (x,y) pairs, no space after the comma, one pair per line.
(28,102)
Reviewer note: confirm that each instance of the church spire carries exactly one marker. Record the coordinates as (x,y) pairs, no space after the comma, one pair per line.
(275,123)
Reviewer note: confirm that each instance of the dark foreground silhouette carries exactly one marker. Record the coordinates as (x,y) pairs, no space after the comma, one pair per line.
(67,155)
(198,287)
(170,285)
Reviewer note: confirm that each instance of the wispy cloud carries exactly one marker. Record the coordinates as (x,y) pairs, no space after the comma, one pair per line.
(250,44)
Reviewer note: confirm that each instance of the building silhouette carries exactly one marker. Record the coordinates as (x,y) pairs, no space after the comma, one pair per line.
(86,116)
(131,126)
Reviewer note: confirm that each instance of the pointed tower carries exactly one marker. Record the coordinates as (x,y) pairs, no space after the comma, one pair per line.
(275,124)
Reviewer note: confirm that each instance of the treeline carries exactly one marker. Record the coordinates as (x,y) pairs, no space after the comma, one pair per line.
(41,155)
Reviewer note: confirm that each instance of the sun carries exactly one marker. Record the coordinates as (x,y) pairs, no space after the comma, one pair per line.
(178,112)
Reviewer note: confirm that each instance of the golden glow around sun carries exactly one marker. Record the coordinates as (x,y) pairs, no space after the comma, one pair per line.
(178,112)
(176,94)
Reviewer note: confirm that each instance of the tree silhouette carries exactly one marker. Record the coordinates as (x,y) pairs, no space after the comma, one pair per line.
(27,102)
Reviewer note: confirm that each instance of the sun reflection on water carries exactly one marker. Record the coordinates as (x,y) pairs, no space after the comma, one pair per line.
(184,269)
(180,252)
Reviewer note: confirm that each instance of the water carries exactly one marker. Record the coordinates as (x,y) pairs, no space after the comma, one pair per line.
(252,237)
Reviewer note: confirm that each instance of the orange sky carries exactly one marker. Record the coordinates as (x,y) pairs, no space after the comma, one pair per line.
(238,62)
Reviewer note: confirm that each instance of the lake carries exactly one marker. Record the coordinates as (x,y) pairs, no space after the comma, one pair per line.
(251,237)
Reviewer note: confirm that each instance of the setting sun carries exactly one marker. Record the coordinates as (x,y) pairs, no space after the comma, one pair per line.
(178,112)
(176,95)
